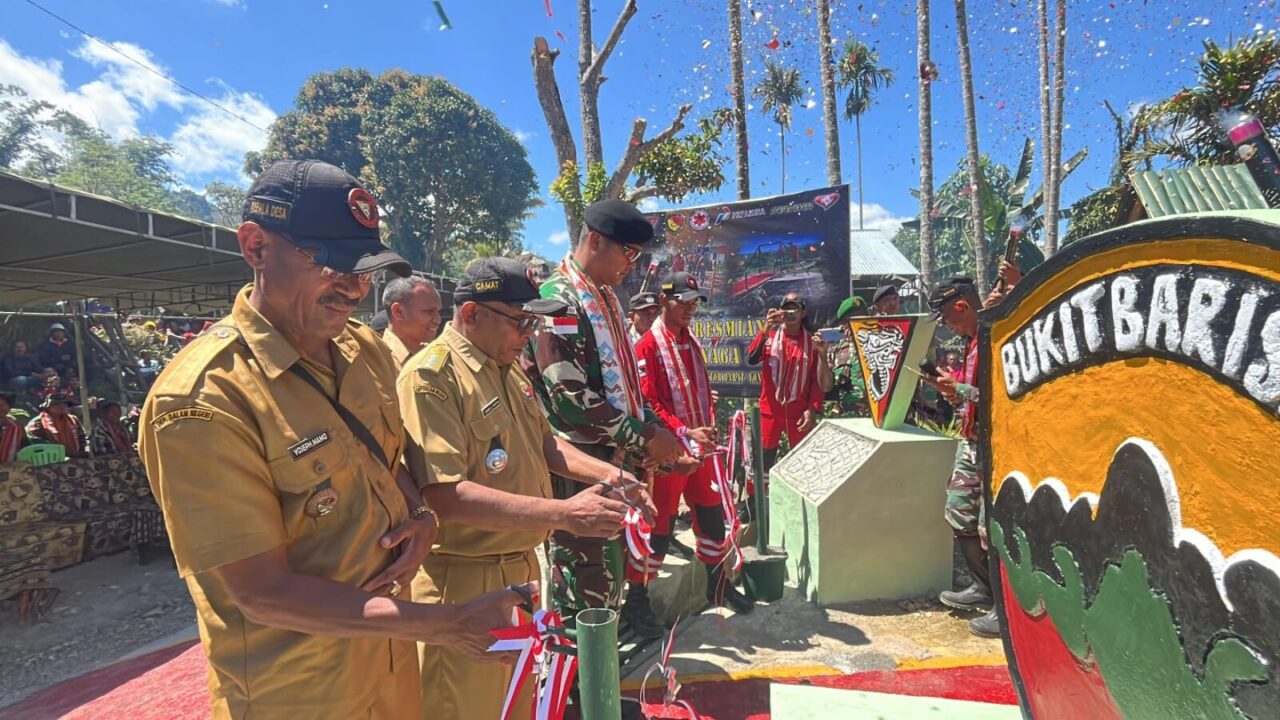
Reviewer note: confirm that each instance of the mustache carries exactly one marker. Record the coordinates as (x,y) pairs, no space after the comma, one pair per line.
(338,300)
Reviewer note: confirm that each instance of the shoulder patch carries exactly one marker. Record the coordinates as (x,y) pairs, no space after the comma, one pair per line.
(431,390)
(186,413)
(184,373)
(434,357)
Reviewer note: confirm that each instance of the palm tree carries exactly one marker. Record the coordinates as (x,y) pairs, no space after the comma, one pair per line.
(778,90)
(971,145)
(928,73)
(861,72)
(1188,128)
(1053,187)
(739,99)
(830,121)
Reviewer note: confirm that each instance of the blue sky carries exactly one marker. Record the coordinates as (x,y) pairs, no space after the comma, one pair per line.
(253,55)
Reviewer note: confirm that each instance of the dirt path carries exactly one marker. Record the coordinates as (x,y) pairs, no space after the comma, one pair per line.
(109,608)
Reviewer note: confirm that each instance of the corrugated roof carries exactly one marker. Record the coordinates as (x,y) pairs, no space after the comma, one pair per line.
(1177,191)
(871,252)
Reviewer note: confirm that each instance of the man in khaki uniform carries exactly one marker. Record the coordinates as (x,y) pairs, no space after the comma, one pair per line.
(477,436)
(413,314)
(271,443)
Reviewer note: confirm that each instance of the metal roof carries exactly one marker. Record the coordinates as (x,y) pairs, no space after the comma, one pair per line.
(1177,191)
(871,253)
(62,244)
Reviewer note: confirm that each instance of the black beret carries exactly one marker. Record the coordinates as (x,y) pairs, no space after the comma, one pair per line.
(884,291)
(619,221)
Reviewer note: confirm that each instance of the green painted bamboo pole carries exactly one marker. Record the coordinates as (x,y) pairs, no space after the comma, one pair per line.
(598,680)
(761,500)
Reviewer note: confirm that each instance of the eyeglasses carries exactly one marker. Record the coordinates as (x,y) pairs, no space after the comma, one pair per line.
(523,324)
(631,252)
(335,276)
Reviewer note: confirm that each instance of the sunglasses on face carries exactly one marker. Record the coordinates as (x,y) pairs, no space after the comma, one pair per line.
(329,274)
(523,324)
(631,252)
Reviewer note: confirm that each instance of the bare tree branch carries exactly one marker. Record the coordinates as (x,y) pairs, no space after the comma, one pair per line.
(636,149)
(544,79)
(591,76)
(595,73)
(641,193)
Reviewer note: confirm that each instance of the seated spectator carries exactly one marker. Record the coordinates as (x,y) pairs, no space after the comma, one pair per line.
(20,370)
(148,367)
(51,384)
(11,434)
(109,435)
(59,351)
(55,424)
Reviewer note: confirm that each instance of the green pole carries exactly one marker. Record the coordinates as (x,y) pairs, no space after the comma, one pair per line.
(598,680)
(761,498)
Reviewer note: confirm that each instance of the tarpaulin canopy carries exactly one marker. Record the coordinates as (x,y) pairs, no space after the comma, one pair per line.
(62,244)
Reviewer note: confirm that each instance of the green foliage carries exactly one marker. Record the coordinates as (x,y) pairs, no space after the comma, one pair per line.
(569,189)
(1099,211)
(778,91)
(1188,128)
(860,71)
(226,203)
(1005,202)
(451,178)
(689,164)
(22,122)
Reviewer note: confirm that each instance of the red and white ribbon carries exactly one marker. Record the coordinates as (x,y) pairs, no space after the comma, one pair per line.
(732,523)
(554,671)
(671,685)
(637,531)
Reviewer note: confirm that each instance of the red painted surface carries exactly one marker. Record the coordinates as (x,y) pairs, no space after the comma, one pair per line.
(1056,683)
(173,683)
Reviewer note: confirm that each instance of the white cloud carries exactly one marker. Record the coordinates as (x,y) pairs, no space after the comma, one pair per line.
(876,217)
(559,237)
(211,142)
(124,95)
(229,3)
(522,135)
(649,205)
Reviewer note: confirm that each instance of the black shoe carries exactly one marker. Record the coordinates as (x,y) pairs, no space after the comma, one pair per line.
(987,626)
(681,549)
(724,594)
(975,597)
(639,616)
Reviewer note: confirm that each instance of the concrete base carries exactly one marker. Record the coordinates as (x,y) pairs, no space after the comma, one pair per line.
(801,702)
(680,589)
(859,511)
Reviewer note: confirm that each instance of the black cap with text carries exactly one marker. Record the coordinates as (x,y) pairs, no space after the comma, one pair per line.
(682,287)
(505,280)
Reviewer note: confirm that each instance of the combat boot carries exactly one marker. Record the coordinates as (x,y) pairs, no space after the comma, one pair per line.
(639,614)
(975,597)
(722,593)
(987,626)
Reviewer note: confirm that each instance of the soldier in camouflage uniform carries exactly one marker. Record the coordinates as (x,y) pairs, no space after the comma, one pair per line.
(584,373)
(847,397)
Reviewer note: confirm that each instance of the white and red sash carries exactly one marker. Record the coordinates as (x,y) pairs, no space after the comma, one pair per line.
(690,386)
(11,434)
(553,672)
(789,364)
(613,345)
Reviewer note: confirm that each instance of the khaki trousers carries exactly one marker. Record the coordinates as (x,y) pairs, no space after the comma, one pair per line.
(455,687)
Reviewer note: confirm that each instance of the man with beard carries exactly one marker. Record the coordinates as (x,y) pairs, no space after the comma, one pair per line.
(584,371)
(272,443)
(413,315)
(791,384)
(955,302)
(674,379)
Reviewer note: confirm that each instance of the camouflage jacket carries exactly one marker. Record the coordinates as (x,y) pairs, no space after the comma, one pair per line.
(847,397)
(564,368)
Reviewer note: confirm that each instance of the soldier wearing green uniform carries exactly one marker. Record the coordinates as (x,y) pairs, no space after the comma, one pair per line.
(847,397)
(584,373)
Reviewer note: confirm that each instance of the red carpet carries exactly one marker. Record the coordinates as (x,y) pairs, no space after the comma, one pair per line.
(172,683)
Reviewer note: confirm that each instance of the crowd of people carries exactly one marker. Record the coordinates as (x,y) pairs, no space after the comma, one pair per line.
(355,512)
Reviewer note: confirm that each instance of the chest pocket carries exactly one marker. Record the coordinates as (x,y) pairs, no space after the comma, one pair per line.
(315,489)
(497,424)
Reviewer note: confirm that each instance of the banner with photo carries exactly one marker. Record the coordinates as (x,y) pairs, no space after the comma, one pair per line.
(745,257)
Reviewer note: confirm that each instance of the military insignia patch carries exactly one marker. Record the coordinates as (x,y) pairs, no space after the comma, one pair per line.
(433,391)
(435,357)
(188,413)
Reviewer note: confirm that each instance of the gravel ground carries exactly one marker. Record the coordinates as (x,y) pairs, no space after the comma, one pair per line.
(109,608)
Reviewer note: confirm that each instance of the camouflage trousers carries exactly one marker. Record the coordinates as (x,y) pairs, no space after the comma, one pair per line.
(585,573)
(964,510)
